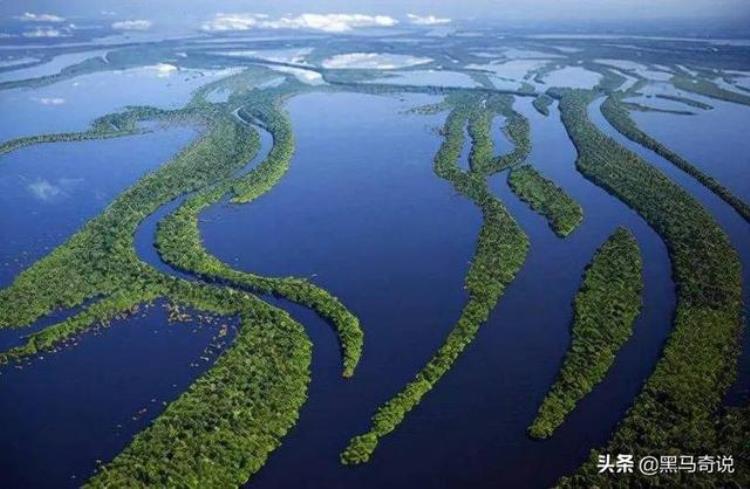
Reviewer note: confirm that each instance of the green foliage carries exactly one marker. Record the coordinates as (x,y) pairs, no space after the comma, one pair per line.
(646,108)
(618,116)
(687,101)
(518,131)
(606,306)
(89,65)
(109,126)
(100,313)
(701,86)
(179,242)
(360,449)
(677,406)
(542,103)
(100,258)
(263,178)
(562,212)
(221,431)
(501,251)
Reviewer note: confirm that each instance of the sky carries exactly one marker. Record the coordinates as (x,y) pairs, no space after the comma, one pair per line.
(194,13)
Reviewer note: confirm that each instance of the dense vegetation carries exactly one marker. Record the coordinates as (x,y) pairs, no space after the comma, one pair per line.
(109,126)
(687,101)
(648,108)
(605,309)
(223,428)
(100,259)
(542,103)
(618,116)
(221,431)
(237,412)
(241,407)
(676,408)
(84,67)
(501,250)
(516,129)
(562,212)
(707,88)
(179,243)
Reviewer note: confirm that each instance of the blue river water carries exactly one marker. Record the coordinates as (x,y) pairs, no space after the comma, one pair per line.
(71,105)
(63,411)
(362,214)
(49,191)
(714,140)
(729,149)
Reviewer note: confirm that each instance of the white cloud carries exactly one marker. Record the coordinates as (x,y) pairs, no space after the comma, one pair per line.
(427,19)
(31,17)
(288,55)
(308,77)
(51,100)
(322,22)
(163,70)
(375,61)
(132,25)
(232,22)
(44,190)
(45,32)
(331,22)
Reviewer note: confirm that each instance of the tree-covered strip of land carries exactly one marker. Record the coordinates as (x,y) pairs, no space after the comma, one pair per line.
(84,67)
(618,115)
(516,129)
(500,252)
(100,258)
(235,414)
(678,407)
(109,126)
(606,306)
(263,178)
(481,153)
(562,212)
(647,108)
(542,103)
(687,101)
(707,88)
(220,432)
(179,242)
(238,411)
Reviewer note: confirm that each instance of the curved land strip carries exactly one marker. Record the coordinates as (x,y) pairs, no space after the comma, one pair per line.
(645,108)
(481,153)
(238,411)
(618,116)
(516,128)
(179,242)
(562,212)
(606,306)
(684,100)
(108,126)
(86,66)
(501,251)
(223,428)
(100,260)
(708,88)
(677,408)
(542,103)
